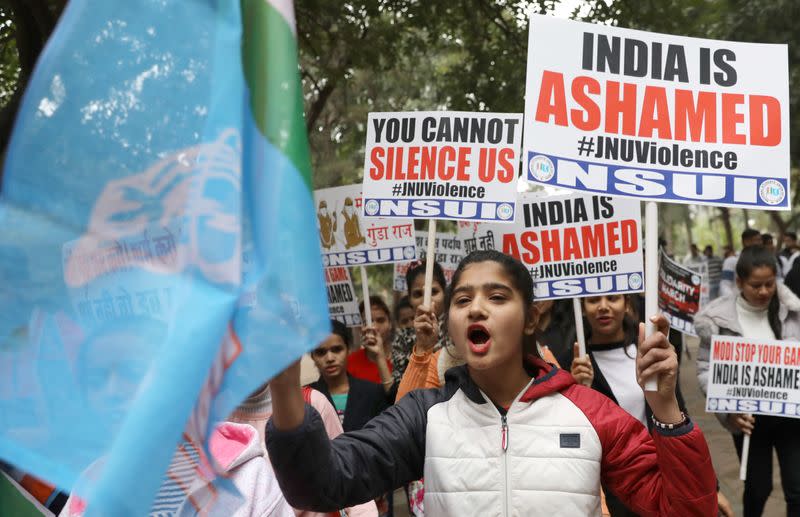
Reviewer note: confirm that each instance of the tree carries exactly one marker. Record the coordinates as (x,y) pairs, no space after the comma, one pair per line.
(25,26)
(398,55)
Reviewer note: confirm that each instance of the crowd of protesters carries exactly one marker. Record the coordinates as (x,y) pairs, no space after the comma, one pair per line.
(412,405)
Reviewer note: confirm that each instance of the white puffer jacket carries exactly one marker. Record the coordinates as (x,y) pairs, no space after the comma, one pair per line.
(546,457)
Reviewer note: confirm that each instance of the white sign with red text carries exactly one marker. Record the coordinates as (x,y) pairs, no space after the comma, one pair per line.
(442,165)
(574,244)
(754,376)
(658,117)
(342,300)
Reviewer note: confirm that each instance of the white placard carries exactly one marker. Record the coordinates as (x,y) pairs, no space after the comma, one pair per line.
(449,252)
(754,376)
(342,300)
(442,165)
(347,239)
(574,244)
(654,116)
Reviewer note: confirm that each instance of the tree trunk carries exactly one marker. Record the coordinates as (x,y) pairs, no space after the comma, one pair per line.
(688,222)
(318,105)
(725,215)
(779,223)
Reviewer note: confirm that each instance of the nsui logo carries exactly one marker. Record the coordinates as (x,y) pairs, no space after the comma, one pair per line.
(505,211)
(542,168)
(371,207)
(772,192)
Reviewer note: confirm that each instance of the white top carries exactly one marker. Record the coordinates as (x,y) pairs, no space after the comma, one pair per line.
(619,369)
(786,263)
(753,320)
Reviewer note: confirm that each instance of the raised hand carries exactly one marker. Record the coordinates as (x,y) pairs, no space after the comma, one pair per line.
(657,358)
(426,325)
(581,368)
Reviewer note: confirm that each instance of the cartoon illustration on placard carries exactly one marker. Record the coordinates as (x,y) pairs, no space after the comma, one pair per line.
(352,229)
(327,225)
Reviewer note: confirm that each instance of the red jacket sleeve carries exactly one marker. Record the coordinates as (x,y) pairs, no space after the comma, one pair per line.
(666,474)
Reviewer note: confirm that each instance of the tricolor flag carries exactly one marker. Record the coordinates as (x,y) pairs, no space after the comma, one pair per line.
(158,253)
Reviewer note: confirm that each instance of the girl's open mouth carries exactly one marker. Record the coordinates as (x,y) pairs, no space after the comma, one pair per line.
(479,339)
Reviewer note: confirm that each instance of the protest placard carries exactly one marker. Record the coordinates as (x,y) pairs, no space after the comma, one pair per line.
(449,252)
(754,376)
(678,294)
(342,301)
(476,236)
(348,239)
(573,244)
(655,116)
(701,269)
(442,165)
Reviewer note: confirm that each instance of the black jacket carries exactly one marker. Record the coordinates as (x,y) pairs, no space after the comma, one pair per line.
(365,400)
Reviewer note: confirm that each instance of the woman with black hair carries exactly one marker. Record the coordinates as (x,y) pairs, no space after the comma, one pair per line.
(427,335)
(761,308)
(508,434)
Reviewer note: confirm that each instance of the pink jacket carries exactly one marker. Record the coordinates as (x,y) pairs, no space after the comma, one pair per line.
(238,451)
(257,409)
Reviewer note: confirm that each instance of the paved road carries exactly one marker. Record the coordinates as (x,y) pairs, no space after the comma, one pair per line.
(719,440)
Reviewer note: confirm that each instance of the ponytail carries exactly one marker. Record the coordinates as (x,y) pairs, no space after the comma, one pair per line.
(773,317)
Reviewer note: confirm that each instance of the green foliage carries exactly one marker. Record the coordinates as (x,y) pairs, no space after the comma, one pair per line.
(359,56)
(393,55)
(9,57)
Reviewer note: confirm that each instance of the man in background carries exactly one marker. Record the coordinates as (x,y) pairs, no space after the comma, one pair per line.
(727,283)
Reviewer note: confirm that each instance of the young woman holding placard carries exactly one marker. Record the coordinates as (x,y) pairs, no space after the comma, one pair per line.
(421,343)
(508,434)
(760,309)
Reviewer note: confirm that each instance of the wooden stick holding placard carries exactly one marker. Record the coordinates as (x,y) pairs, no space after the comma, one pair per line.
(745,456)
(430,258)
(651,252)
(576,307)
(365,293)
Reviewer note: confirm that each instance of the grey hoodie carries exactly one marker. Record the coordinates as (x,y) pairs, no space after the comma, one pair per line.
(720,318)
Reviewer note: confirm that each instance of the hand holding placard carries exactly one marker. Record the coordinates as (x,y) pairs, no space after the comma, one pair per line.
(581,368)
(742,421)
(426,326)
(657,359)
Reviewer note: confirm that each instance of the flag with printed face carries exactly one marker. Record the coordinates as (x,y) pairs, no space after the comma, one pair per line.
(158,143)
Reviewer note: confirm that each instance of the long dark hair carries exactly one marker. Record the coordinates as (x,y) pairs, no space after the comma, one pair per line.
(520,281)
(753,257)
(560,331)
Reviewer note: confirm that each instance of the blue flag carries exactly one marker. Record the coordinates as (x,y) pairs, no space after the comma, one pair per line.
(159,258)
